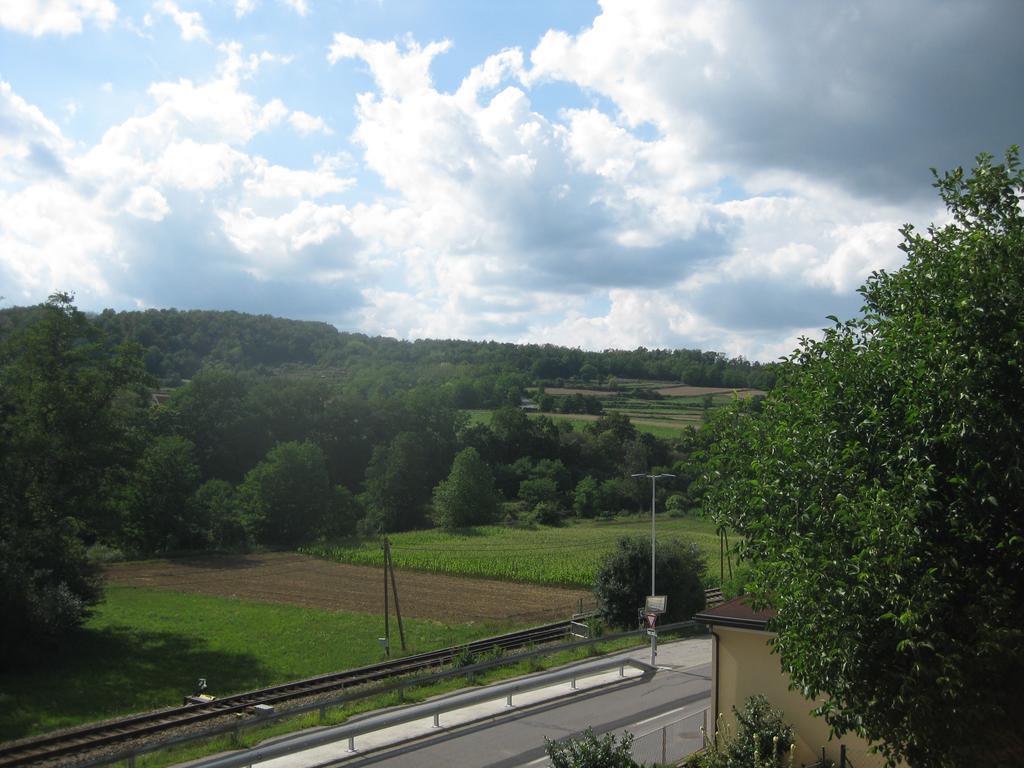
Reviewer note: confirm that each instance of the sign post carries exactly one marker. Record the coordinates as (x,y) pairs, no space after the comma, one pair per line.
(653,607)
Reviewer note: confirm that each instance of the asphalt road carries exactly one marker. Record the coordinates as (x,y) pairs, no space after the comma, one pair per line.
(517,739)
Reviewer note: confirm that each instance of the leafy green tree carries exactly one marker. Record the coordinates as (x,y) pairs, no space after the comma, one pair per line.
(535,490)
(159,510)
(585,497)
(880,490)
(467,497)
(287,497)
(214,411)
(589,751)
(398,484)
(623,580)
(217,503)
(513,433)
(63,446)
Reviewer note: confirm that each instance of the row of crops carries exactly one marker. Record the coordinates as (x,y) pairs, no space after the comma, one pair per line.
(567,556)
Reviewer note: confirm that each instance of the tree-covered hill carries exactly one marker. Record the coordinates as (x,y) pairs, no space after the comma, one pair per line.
(177,344)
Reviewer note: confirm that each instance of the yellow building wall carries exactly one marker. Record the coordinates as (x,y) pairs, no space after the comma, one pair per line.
(746,667)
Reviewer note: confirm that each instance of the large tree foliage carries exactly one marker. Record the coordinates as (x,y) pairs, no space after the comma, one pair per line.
(160,513)
(63,443)
(287,498)
(623,580)
(398,484)
(467,496)
(880,490)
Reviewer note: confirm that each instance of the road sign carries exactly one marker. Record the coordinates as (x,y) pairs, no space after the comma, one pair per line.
(656,604)
(652,633)
(652,619)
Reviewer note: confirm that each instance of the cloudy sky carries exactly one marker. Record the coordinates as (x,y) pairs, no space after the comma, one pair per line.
(716,174)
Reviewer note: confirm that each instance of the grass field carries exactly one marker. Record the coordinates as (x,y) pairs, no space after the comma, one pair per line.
(566,556)
(144,649)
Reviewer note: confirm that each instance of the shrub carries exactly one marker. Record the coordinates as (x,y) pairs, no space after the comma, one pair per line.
(545,513)
(761,740)
(589,751)
(623,580)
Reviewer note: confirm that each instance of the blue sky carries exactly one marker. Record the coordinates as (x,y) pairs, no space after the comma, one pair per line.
(707,174)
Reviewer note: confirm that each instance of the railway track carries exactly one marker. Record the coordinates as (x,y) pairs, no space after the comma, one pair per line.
(86,738)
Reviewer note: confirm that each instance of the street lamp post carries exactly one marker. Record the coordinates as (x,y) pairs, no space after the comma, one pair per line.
(654,480)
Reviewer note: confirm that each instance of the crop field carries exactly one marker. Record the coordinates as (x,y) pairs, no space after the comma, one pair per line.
(565,556)
(669,409)
(144,649)
(666,427)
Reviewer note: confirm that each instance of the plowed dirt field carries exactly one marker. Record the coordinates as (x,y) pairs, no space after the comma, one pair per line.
(288,577)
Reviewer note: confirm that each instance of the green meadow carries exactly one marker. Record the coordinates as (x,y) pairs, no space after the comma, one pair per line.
(144,649)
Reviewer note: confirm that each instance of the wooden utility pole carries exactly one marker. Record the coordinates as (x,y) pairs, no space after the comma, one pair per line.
(387,625)
(728,553)
(721,559)
(389,566)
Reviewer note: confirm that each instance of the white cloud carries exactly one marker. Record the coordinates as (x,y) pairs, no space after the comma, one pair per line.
(714,184)
(801,88)
(396,73)
(299,6)
(62,17)
(53,237)
(190,23)
(499,208)
(174,183)
(280,244)
(31,144)
(195,166)
(277,182)
(147,203)
(305,124)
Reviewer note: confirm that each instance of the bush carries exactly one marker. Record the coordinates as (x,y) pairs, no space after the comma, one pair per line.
(545,513)
(588,751)
(762,740)
(624,579)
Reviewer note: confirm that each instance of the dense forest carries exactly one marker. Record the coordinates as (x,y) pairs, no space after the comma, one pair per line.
(176,345)
(270,432)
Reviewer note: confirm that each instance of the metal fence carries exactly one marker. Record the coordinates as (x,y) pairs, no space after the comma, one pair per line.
(672,741)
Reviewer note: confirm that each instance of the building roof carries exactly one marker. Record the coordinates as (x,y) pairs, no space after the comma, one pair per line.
(738,614)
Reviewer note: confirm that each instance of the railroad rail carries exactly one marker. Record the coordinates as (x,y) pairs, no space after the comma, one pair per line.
(79,740)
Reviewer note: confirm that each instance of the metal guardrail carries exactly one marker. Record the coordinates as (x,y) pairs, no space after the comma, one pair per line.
(414,712)
(468,671)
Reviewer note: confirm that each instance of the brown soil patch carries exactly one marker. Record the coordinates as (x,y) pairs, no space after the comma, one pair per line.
(288,577)
(685,391)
